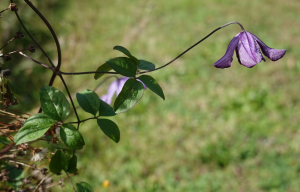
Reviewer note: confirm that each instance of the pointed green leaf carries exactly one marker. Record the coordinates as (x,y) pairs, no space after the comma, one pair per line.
(110,129)
(152,84)
(127,53)
(84,187)
(71,137)
(123,65)
(89,101)
(103,67)
(105,109)
(58,162)
(54,103)
(146,65)
(72,165)
(131,93)
(34,127)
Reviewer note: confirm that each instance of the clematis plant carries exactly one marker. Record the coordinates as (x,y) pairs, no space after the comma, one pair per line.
(247,47)
(50,123)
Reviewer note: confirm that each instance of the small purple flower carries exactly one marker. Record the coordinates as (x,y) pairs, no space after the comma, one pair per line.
(247,47)
(116,87)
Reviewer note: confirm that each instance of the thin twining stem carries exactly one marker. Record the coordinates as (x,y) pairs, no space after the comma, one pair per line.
(88,72)
(21,163)
(74,108)
(50,29)
(83,120)
(44,65)
(233,22)
(8,42)
(15,51)
(31,37)
(71,181)
(4,10)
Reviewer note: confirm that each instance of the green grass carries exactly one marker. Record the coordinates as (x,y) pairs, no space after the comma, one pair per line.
(235,129)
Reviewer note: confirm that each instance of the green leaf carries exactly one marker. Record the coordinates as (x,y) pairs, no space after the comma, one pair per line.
(146,65)
(15,175)
(35,127)
(84,187)
(71,137)
(123,65)
(103,67)
(58,162)
(131,93)
(72,165)
(54,103)
(126,52)
(89,101)
(152,84)
(105,109)
(110,129)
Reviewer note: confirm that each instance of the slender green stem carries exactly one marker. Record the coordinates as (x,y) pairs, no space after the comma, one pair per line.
(83,120)
(71,181)
(74,108)
(88,72)
(233,22)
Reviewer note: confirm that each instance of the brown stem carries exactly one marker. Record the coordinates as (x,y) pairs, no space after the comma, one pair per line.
(50,29)
(40,183)
(6,149)
(8,136)
(16,51)
(4,10)
(31,37)
(20,163)
(8,42)
(44,65)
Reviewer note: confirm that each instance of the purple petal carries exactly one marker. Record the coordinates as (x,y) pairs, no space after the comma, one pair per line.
(273,54)
(226,60)
(115,87)
(106,99)
(142,83)
(110,93)
(248,52)
(121,83)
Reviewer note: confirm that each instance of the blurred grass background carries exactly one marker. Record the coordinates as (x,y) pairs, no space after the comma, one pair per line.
(235,129)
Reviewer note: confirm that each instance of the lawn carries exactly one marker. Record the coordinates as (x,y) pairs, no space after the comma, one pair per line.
(234,129)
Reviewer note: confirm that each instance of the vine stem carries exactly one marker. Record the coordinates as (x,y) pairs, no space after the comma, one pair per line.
(31,37)
(4,10)
(50,29)
(71,181)
(20,163)
(40,183)
(16,51)
(233,22)
(74,108)
(8,42)
(84,120)
(88,72)
(44,65)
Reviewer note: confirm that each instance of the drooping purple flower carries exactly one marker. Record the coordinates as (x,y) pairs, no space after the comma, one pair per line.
(115,88)
(247,47)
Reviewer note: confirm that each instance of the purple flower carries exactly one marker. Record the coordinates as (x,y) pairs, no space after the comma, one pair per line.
(115,87)
(247,47)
